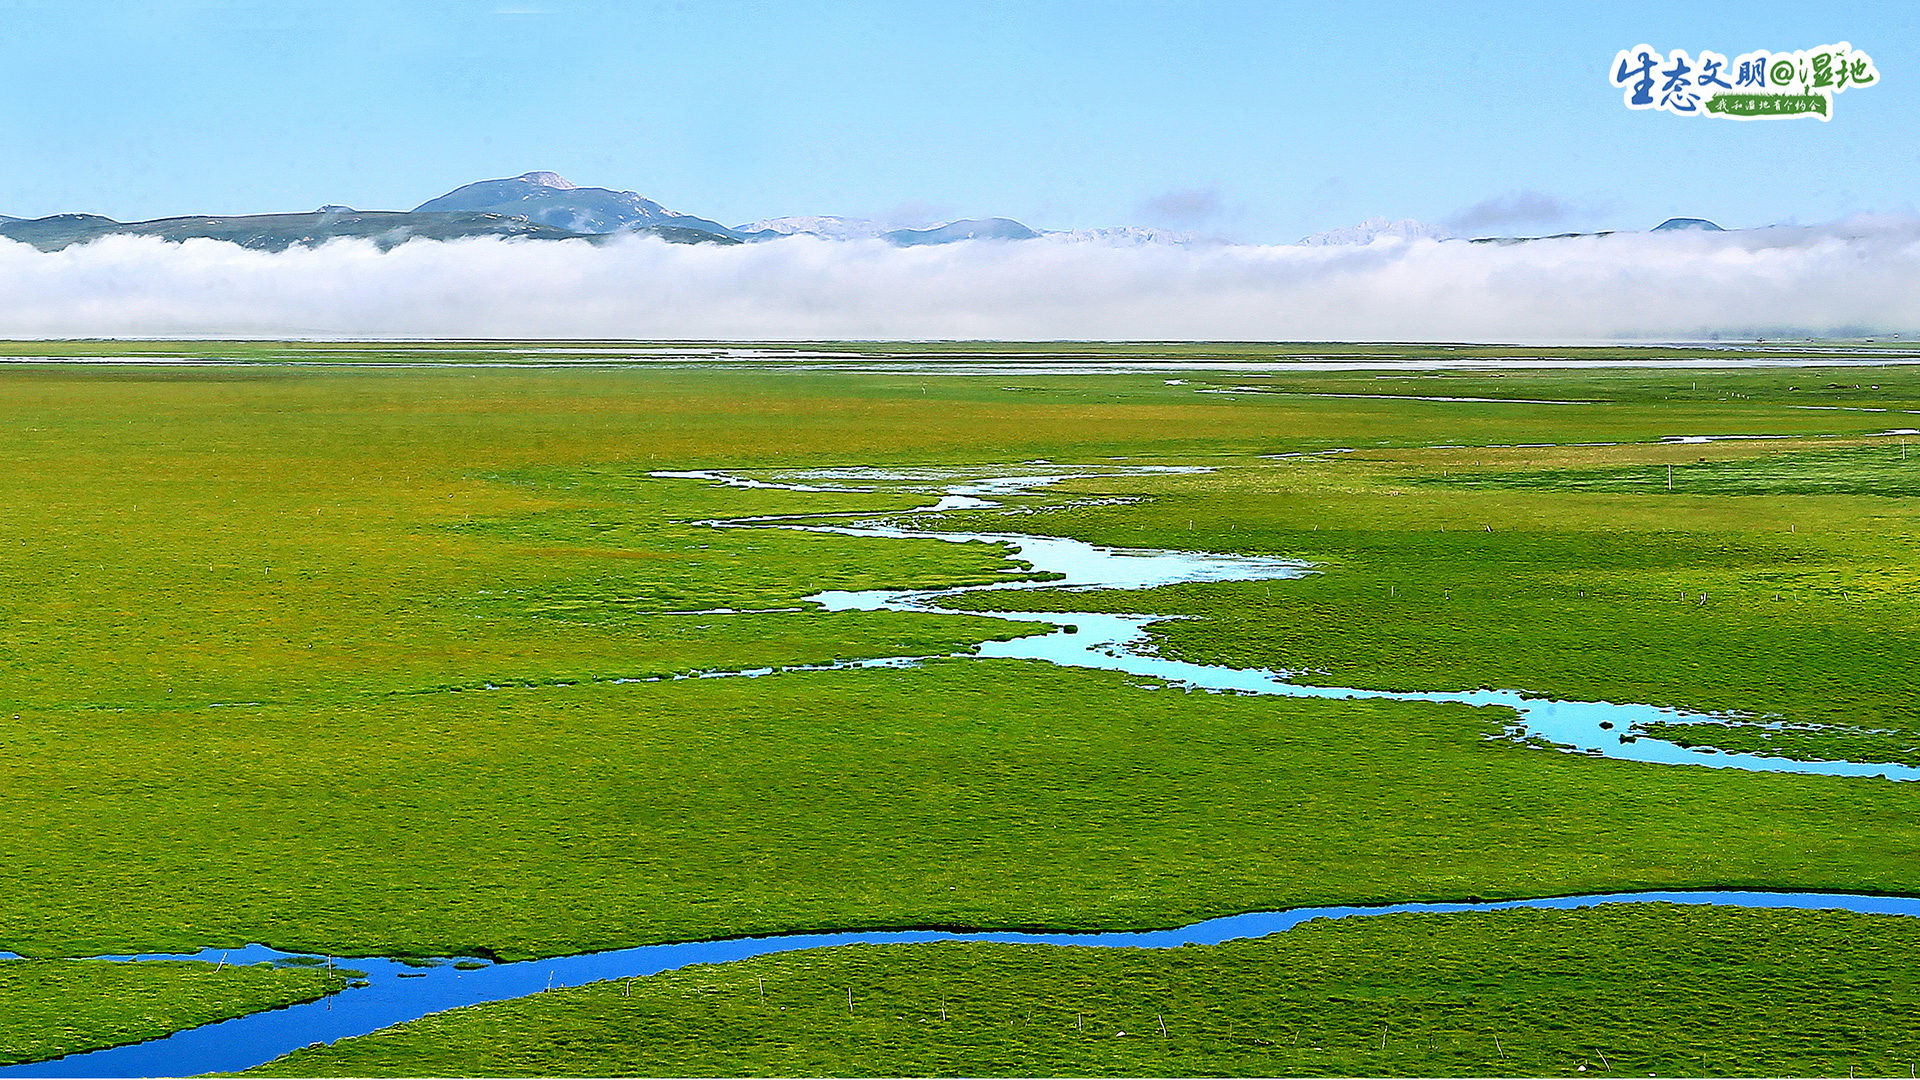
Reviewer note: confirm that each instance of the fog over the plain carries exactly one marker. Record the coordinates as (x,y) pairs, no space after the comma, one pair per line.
(1861,276)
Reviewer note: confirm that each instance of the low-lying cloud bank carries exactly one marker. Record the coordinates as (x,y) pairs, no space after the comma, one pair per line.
(1861,276)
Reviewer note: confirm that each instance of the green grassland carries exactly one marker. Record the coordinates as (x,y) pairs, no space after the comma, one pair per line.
(1787,606)
(538,821)
(1623,990)
(340,658)
(50,1008)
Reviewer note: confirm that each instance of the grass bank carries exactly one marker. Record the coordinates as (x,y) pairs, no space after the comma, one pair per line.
(1619,990)
(1783,606)
(51,1008)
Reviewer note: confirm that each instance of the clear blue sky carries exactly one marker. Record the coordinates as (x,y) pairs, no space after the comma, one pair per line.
(1263,121)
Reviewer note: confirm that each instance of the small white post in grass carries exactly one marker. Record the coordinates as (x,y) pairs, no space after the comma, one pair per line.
(1669,478)
(1163,1024)
(221,964)
(943,1010)
(849,1001)
(1077,1025)
(1497,1046)
(763,989)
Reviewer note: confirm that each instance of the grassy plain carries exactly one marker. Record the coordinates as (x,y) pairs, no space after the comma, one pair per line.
(1619,990)
(546,820)
(49,1008)
(327,657)
(1788,606)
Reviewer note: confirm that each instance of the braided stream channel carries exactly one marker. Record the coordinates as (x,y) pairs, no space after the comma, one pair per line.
(396,991)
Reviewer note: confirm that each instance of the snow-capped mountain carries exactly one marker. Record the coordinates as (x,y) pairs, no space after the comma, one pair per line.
(1379,229)
(549,199)
(1126,236)
(825,226)
(845,228)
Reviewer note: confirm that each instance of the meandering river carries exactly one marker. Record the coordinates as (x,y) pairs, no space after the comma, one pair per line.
(396,992)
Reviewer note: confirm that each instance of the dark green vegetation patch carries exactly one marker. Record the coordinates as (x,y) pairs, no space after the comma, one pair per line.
(1802,742)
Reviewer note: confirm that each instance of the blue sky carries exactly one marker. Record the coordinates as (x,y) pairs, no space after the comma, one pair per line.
(1259,121)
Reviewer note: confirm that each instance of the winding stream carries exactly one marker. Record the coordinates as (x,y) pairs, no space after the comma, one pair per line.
(1121,643)
(396,992)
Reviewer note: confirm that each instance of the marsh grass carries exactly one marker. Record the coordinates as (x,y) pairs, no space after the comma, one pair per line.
(1885,467)
(50,1008)
(326,657)
(522,822)
(1515,993)
(1787,607)
(1805,742)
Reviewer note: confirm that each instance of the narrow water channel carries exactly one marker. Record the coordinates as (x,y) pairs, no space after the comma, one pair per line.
(397,992)
(1121,642)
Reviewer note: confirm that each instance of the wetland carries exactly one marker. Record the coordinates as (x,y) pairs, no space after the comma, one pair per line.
(361,660)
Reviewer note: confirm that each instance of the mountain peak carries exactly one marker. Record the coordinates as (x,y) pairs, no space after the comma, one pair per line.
(550,199)
(547,179)
(1684,224)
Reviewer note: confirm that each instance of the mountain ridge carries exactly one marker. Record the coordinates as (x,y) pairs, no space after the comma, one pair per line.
(277,232)
(542,205)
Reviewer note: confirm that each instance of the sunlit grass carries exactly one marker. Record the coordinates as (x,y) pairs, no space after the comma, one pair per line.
(341,658)
(49,1008)
(1620,990)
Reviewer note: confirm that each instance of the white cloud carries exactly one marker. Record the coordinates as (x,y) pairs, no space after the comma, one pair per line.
(1860,276)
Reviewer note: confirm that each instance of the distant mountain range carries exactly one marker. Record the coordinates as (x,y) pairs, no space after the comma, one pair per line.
(1378,229)
(827,228)
(1408,229)
(1678,224)
(537,206)
(545,206)
(277,232)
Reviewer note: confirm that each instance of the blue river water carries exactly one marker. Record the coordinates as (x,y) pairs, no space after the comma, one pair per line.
(1114,642)
(396,992)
